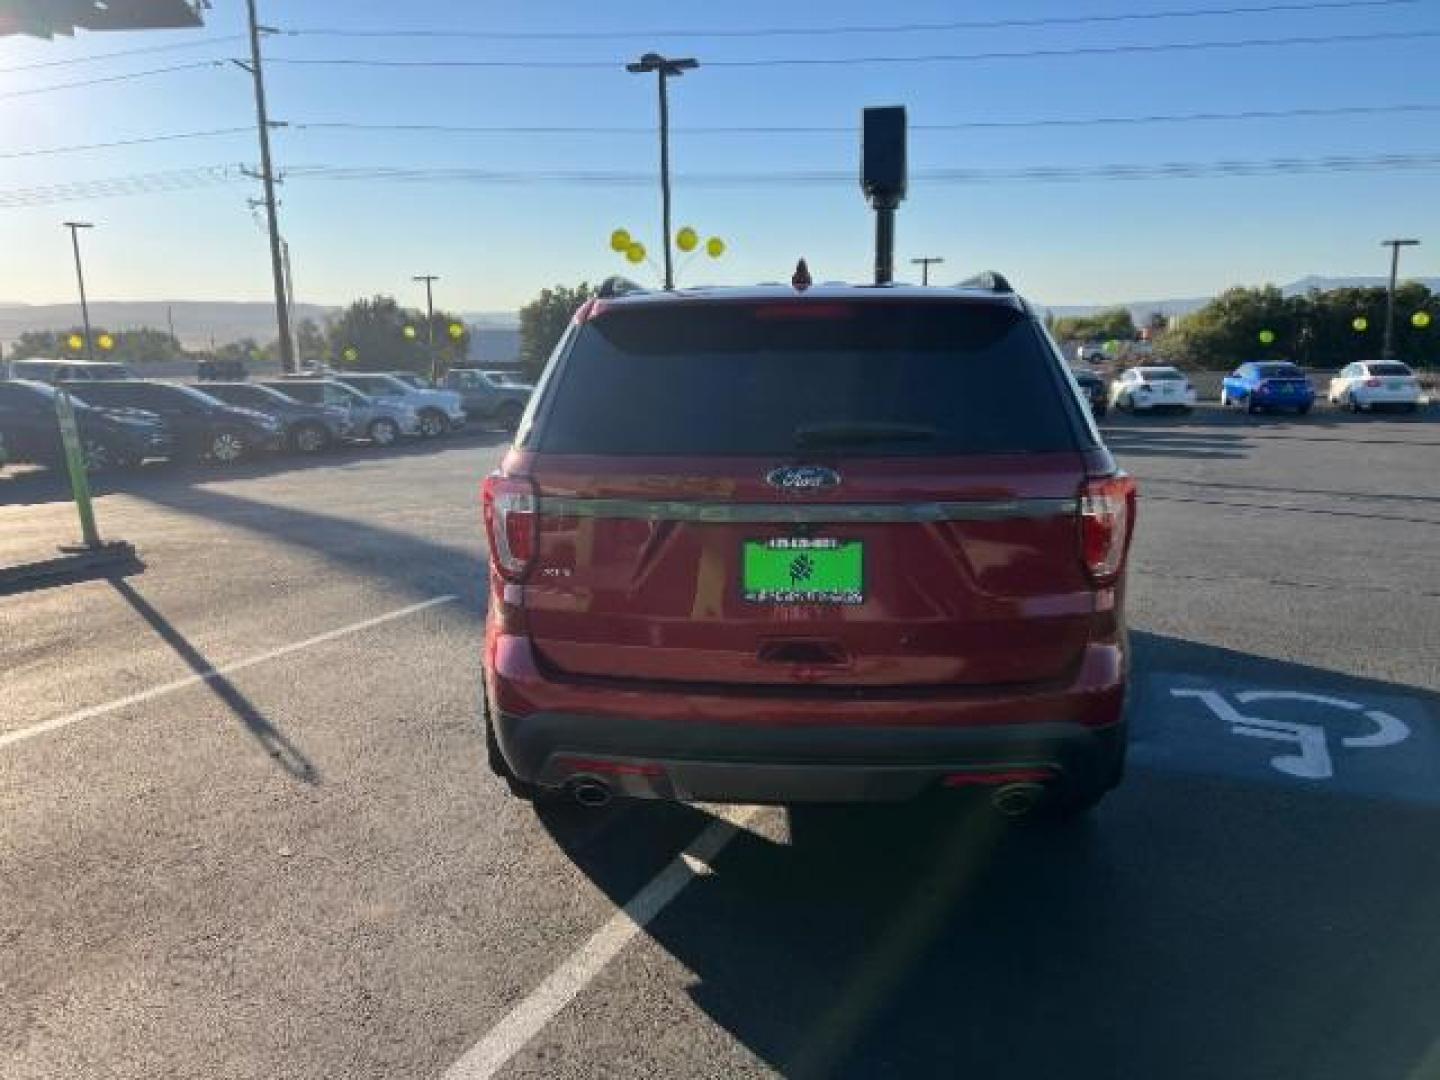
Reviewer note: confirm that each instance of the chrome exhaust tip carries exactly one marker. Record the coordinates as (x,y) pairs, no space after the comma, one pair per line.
(590,792)
(1017,800)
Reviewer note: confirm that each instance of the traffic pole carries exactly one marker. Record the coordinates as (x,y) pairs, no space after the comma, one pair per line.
(75,465)
(1387,350)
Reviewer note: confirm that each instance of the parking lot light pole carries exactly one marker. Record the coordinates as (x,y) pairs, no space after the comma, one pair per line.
(429,280)
(925,263)
(664,68)
(75,227)
(1387,350)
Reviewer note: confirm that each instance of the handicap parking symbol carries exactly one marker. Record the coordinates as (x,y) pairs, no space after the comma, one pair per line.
(1312,758)
(1321,738)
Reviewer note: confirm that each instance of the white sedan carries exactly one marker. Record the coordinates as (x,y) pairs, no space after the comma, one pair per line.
(1381,383)
(1142,389)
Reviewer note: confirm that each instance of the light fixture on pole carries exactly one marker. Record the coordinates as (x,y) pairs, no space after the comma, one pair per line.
(664,68)
(925,263)
(75,227)
(1387,350)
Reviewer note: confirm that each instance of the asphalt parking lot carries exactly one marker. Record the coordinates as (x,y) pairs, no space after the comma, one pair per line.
(245,830)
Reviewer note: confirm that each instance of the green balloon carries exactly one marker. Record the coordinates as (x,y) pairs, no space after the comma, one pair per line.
(1267,337)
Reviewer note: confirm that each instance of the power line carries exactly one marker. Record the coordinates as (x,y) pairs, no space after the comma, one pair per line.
(835,31)
(924,58)
(756,130)
(112,79)
(209,176)
(174,46)
(140,141)
(849,129)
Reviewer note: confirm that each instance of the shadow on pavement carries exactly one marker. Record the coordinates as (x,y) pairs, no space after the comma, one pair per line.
(274,741)
(412,563)
(1195,926)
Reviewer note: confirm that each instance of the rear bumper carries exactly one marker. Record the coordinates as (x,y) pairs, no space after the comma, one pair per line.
(740,747)
(1370,398)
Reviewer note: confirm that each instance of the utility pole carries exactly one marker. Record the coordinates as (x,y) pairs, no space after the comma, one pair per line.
(925,264)
(664,69)
(1387,350)
(267,178)
(75,227)
(429,280)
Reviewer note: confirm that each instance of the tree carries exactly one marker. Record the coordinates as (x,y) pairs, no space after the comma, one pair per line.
(370,335)
(543,321)
(141,346)
(1112,324)
(310,346)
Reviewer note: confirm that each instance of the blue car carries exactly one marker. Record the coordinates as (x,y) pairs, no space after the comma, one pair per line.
(1261,385)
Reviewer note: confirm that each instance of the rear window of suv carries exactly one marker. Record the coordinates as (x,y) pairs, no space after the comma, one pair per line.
(810,376)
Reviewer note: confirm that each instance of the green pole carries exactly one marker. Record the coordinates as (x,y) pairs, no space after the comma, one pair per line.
(75,463)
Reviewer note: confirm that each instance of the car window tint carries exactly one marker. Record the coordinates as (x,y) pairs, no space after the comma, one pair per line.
(742,379)
(1391,370)
(1279,371)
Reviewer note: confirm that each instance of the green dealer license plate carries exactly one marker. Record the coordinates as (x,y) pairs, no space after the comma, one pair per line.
(803,570)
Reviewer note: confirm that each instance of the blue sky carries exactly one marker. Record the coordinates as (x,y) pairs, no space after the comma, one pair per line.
(495,246)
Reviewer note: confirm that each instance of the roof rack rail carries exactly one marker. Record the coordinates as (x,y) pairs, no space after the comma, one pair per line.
(615,285)
(990,280)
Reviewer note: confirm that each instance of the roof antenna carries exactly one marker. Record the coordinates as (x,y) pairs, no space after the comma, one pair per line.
(801,279)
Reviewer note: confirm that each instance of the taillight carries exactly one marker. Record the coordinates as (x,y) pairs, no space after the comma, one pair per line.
(511,523)
(1372,382)
(1107,516)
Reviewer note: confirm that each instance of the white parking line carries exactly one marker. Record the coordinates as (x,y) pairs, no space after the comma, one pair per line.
(58,722)
(525,1021)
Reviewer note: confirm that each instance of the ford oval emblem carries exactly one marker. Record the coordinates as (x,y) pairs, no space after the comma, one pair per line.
(803,478)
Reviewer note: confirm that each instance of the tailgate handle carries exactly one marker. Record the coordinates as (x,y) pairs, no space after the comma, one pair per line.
(803,651)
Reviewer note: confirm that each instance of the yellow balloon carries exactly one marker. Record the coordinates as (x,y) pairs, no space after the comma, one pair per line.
(1267,337)
(687,239)
(1360,323)
(76,342)
(635,252)
(351,353)
(1420,320)
(457,330)
(620,241)
(714,247)
(106,342)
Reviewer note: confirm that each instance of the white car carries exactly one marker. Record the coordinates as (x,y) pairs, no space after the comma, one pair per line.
(1142,389)
(439,410)
(1381,383)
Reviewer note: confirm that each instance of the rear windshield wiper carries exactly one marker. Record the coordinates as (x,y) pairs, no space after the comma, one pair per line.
(861,433)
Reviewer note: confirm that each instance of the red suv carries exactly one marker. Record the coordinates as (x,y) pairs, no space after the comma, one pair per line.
(846,544)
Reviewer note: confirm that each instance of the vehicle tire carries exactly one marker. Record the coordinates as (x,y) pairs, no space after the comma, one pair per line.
(1411,406)
(508,416)
(309,438)
(521,789)
(384,432)
(227,446)
(1076,796)
(1302,410)
(1250,407)
(97,456)
(433,424)
(1100,411)
(1352,403)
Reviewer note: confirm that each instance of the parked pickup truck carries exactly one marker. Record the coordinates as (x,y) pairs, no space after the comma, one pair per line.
(487,399)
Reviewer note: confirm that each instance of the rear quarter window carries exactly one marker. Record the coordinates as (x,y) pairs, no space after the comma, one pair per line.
(741,379)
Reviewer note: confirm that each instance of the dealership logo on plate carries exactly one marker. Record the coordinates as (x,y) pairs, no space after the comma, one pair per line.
(803,478)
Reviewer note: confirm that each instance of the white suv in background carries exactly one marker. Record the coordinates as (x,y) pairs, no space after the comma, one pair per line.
(439,410)
(1373,384)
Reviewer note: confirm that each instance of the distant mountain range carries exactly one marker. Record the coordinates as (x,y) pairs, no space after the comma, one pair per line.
(199,322)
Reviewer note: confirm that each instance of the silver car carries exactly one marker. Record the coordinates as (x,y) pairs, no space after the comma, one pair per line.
(439,410)
(382,422)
